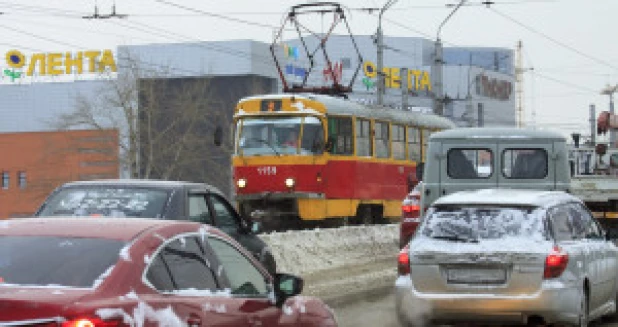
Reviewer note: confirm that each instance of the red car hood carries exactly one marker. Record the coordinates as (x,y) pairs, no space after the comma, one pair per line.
(24,303)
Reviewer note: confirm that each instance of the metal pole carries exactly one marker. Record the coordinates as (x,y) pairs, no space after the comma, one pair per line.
(612,132)
(436,76)
(380,45)
(593,127)
(481,115)
(404,88)
(437,67)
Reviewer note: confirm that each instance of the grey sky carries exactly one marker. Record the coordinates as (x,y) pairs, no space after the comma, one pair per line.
(570,43)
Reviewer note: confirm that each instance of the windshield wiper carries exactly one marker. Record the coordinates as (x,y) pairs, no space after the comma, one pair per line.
(272,147)
(455,238)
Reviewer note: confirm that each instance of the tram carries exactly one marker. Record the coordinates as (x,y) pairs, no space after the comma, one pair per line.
(312,160)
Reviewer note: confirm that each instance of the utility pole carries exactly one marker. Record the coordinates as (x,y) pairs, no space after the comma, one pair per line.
(404,88)
(519,80)
(610,90)
(380,46)
(593,126)
(436,69)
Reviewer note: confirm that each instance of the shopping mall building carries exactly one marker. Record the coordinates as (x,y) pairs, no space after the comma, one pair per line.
(40,90)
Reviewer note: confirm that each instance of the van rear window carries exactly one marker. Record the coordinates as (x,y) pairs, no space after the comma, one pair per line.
(524,163)
(469,163)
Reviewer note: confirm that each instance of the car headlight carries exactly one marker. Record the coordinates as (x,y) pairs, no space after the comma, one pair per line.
(290,182)
(241,183)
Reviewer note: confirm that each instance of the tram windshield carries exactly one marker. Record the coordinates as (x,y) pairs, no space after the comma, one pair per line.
(280,135)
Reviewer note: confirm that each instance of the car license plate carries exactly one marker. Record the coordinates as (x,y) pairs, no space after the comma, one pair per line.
(476,275)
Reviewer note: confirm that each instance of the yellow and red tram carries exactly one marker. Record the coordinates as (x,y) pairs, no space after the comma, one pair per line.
(348,162)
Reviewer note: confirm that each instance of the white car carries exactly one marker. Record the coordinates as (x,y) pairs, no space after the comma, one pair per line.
(507,256)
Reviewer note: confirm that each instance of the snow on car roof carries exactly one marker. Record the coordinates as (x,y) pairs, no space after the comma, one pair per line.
(507,197)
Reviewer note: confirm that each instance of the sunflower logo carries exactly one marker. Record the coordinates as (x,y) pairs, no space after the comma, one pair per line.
(15,59)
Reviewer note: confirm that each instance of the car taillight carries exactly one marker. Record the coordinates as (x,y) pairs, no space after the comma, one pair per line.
(91,322)
(410,208)
(555,263)
(403,262)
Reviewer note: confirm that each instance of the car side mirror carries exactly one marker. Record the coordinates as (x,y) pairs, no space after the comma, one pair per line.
(218,136)
(286,286)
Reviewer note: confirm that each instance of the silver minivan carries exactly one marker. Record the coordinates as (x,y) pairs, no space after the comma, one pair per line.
(507,256)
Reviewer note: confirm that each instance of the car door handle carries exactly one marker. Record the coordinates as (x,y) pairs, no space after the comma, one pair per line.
(194,322)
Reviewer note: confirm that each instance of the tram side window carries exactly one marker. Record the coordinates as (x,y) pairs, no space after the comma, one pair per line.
(363,138)
(313,136)
(399,142)
(340,135)
(382,136)
(424,139)
(414,144)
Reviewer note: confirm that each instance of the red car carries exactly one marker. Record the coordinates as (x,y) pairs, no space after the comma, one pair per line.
(410,215)
(139,272)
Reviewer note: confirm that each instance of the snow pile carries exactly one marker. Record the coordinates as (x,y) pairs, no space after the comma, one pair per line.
(311,251)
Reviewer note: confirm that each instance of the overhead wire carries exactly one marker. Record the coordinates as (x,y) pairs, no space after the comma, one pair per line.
(215,15)
(553,40)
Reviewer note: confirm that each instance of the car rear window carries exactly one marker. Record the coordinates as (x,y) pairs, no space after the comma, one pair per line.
(473,223)
(106,201)
(63,261)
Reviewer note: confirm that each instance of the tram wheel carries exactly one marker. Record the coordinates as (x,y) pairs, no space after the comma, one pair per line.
(364,215)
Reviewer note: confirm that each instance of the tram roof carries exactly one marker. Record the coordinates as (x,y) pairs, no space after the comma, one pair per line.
(340,106)
(497,133)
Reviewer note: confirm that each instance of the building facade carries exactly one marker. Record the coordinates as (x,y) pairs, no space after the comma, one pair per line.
(34,163)
(45,91)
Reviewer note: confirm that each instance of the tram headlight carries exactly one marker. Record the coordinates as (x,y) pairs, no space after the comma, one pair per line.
(290,182)
(241,183)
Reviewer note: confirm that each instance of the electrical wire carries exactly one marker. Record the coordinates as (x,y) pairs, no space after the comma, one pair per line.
(215,15)
(561,44)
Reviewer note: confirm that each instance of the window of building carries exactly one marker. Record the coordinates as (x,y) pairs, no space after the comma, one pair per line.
(340,135)
(399,142)
(21,179)
(364,147)
(95,150)
(6,178)
(414,144)
(382,137)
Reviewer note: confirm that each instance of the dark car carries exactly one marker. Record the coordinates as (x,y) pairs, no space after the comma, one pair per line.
(175,200)
(141,272)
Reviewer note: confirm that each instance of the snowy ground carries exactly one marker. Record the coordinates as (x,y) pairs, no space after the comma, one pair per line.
(338,262)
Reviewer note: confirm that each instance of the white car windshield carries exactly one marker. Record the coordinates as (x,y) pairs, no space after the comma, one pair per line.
(474,223)
(281,135)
